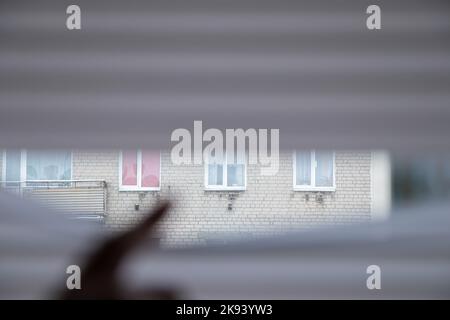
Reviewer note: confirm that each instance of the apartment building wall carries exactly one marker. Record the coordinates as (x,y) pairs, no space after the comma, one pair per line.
(268,205)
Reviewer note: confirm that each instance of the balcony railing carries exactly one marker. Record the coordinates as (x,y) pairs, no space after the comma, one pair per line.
(80,198)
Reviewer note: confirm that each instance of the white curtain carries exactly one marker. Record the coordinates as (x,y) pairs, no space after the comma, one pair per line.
(215,174)
(303,168)
(12,165)
(324,169)
(48,165)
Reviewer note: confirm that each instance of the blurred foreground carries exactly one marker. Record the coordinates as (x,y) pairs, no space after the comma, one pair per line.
(411,249)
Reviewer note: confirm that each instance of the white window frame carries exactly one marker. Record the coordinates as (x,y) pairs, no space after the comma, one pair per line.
(312,186)
(138,187)
(23,167)
(225,186)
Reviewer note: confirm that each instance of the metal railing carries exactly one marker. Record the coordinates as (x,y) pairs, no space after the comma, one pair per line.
(51,183)
(82,198)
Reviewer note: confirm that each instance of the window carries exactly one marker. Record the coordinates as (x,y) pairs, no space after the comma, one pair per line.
(139,170)
(225,174)
(36,165)
(314,171)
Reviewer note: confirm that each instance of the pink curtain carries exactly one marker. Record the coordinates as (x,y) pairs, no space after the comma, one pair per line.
(129,168)
(150,168)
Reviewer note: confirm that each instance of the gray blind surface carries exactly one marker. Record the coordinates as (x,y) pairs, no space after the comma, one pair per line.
(413,253)
(139,69)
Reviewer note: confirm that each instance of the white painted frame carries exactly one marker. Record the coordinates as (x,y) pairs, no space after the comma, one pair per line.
(225,186)
(138,187)
(23,167)
(312,186)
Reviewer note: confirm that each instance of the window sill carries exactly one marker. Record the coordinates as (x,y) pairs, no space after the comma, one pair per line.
(315,189)
(121,189)
(223,189)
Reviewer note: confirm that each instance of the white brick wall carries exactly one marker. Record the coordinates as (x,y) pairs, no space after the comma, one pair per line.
(268,206)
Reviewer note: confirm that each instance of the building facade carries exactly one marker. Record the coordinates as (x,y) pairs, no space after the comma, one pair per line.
(209,203)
